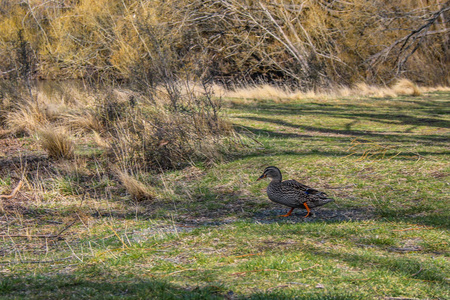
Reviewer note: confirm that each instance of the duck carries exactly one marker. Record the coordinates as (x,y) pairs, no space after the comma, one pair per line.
(292,193)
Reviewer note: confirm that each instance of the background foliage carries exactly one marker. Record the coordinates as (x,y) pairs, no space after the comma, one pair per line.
(307,44)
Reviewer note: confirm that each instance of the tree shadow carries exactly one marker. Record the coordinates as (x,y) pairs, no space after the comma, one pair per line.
(352,111)
(320,214)
(62,286)
(401,138)
(408,267)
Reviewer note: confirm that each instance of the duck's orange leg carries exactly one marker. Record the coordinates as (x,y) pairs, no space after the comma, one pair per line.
(288,214)
(307,209)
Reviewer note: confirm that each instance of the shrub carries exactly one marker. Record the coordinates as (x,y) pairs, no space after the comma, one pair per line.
(156,136)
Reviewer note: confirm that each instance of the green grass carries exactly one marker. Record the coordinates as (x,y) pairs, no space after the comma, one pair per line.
(212,232)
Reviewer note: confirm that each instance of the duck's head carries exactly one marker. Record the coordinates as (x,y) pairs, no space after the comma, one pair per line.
(271,172)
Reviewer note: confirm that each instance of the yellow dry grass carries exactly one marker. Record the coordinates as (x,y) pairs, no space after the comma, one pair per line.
(84,121)
(265,91)
(26,118)
(438,88)
(137,189)
(56,142)
(406,87)
(99,140)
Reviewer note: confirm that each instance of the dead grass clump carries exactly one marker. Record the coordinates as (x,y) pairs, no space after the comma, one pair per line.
(83,121)
(401,87)
(56,142)
(438,88)
(99,140)
(406,87)
(177,124)
(365,90)
(159,138)
(137,189)
(53,111)
(26,118)
(264,91)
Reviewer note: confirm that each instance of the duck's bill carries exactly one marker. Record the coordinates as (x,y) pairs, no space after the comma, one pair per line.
(261,177)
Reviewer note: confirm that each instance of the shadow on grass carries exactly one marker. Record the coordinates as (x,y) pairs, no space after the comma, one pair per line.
(399,138)
(352,111)
(439,220)
(407,266)
(133,287)
(66,286)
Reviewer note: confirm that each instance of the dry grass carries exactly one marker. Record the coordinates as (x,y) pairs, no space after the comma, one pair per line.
(83,122)
(100,141)
(438,88)
(264,91)
(161,138)
(137,189)
(56,141)
(26,118)
(402,87)
(406,87)
(141,131)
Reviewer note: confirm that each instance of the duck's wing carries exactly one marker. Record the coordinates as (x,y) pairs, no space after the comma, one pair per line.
(301,187)
(307,194)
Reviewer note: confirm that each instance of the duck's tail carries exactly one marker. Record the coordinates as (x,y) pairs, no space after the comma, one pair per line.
(319,199)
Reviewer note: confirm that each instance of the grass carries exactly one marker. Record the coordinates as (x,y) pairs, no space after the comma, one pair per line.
(136,189)
(211,233)
(57,142)
(281,94)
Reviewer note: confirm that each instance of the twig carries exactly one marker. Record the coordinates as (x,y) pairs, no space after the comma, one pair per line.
(274,270)
(34,261)
(399,298)
(43,236)
(277,287)
(179,271)
(14,192)
(244,255)
(404,249)
(117,235)
(67,227)
(415,228)
(420,270)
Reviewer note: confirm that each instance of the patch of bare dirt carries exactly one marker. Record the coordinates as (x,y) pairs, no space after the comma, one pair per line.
(323,214)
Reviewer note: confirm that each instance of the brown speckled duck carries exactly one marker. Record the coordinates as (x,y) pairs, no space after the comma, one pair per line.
(292,193)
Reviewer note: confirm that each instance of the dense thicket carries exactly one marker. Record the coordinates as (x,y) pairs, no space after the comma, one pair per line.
(306,43)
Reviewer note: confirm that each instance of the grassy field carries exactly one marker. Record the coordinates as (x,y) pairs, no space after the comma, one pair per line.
(211,233)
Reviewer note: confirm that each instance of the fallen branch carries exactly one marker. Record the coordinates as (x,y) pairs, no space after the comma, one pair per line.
(14,192)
